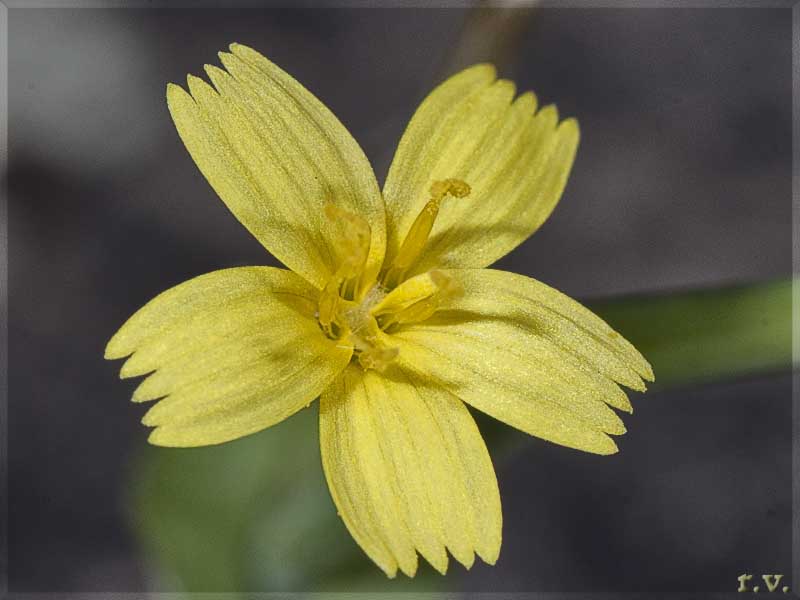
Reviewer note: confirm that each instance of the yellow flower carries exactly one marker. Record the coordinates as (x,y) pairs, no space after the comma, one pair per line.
(387,313)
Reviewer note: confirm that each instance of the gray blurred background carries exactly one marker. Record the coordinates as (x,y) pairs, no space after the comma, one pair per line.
(683,179)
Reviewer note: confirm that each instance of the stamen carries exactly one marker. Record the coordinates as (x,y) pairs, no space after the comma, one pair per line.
(352,241)
(448,288)
(377,358)
(407,293)
(416,299)
(371,350)
(420,230)
(329,305)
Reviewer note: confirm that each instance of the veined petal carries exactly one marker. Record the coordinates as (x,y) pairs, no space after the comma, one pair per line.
(408,470)
(515,160)
(527,355)
(230,353)
(275,155)
(545,311)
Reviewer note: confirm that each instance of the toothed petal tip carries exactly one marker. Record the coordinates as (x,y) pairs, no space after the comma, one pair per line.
(608,449)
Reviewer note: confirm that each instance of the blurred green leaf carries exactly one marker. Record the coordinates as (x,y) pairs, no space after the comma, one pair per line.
(255,514)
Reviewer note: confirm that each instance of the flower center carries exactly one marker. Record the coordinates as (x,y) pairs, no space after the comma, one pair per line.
(363,318)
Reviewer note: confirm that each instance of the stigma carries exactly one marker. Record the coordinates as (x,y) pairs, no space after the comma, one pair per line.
(362,314)
(420,230)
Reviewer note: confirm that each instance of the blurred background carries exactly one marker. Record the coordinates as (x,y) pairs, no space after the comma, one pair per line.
(682,180)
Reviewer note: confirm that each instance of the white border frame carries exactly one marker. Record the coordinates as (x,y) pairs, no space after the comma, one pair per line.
(5,5)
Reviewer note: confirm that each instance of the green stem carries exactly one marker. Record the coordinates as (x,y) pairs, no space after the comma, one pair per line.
(707,335)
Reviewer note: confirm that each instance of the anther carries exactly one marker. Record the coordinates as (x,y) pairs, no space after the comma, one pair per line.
(416,299)
(352,241)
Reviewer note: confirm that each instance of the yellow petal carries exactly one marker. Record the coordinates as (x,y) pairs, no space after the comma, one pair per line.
(275,155)
(408,470)
(548,313)
(230,352)
(515,160)
(527,355)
